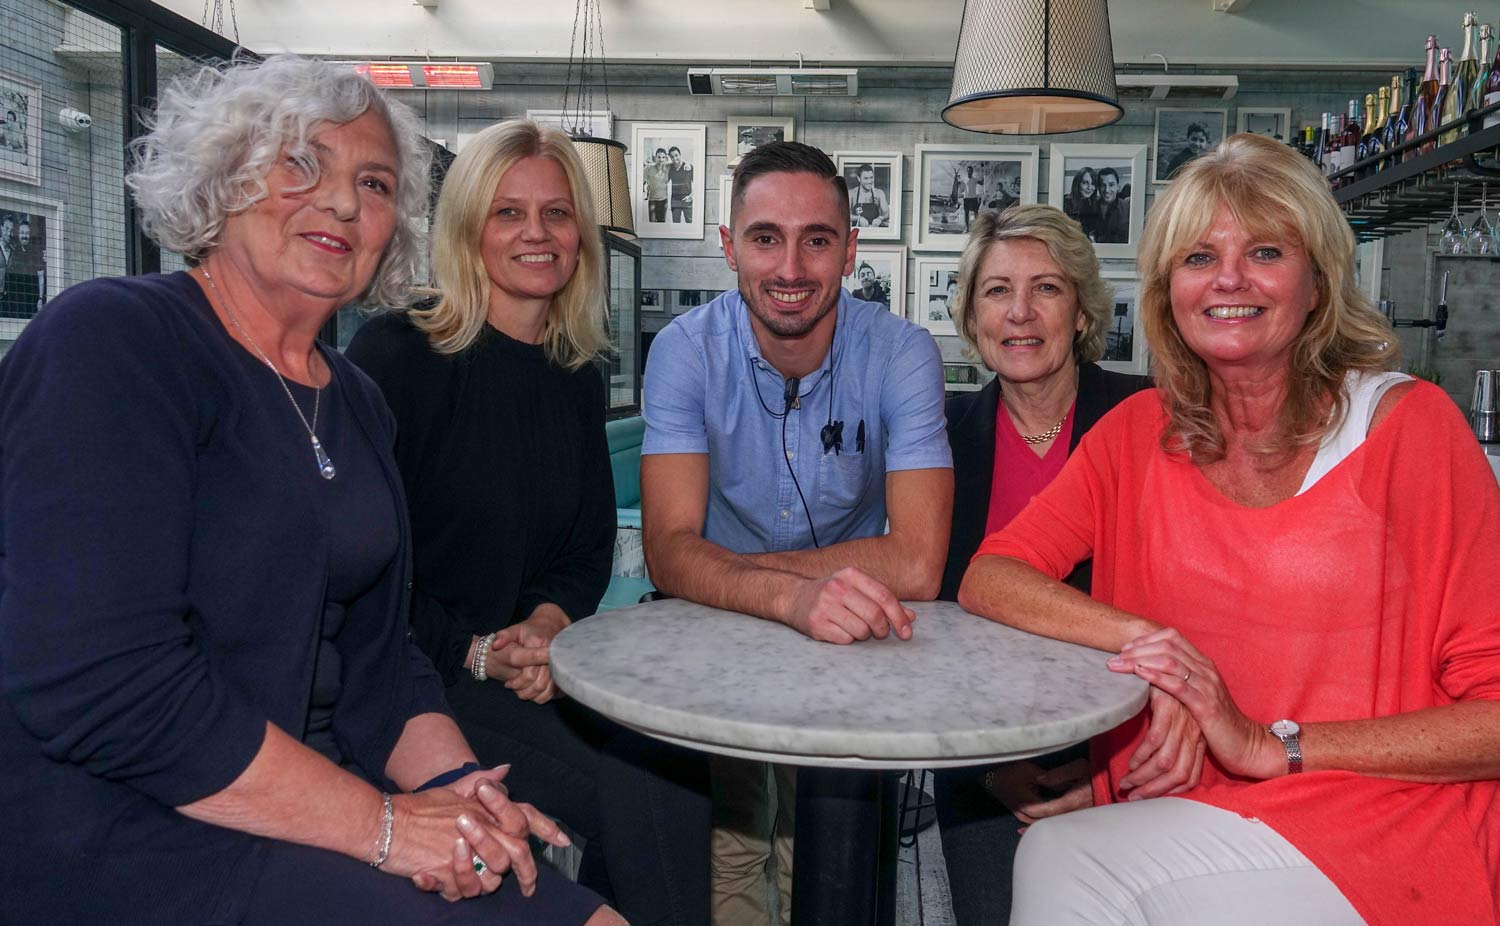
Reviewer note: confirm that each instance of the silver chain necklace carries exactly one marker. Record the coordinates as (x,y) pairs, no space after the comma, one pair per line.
(325,465)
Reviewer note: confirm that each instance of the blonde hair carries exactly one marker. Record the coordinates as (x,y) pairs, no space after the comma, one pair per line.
(575,331)
(1070,249)
(1275,194)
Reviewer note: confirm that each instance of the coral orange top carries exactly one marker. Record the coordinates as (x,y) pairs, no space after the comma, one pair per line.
(1375,592)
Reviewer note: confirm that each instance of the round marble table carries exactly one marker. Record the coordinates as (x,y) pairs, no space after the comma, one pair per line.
(963,691)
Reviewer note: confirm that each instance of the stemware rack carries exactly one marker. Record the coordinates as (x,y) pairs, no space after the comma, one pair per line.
(1398,191)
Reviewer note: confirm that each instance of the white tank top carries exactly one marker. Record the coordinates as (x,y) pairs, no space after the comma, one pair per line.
(1362,393)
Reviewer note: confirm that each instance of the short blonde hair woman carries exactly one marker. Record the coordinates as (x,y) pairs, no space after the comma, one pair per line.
(1309,591)
(575,331)
(1032,305)
(500,412)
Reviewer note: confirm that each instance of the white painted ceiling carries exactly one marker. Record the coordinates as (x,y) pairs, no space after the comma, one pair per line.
(1311,33)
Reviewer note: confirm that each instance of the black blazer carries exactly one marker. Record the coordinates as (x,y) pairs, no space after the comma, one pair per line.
(971,433)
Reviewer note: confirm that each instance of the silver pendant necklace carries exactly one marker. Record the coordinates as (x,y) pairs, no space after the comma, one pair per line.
(325,465)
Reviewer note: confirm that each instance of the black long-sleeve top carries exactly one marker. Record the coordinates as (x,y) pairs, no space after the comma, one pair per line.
(507,475)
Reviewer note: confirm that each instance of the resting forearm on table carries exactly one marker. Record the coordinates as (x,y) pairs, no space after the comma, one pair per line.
(1018,595)
(683,564)
(899,566)
(290,792)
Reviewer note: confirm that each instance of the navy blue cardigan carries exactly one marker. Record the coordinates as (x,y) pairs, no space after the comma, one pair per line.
(161,589)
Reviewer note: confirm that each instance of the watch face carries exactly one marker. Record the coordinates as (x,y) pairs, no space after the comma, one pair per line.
(1285,728)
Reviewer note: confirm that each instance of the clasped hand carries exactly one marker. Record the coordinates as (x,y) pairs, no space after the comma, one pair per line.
(1188,690)
(520,655)
(847,606)
(438,833)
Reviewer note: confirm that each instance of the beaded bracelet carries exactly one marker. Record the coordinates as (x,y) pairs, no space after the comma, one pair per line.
(387,829)
(481,655)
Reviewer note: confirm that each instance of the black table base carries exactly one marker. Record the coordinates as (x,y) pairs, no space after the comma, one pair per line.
(844,855)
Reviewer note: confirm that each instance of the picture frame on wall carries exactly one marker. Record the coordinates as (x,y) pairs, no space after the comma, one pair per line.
(653,301)
(1272,123)
(957,183)
(874,181)
(20,129)
(31,257)
(1103,188)
(746,133)
(596,123)
(667,177)
(962,377)
(879,275)
(1125,338)
(932,299)
(726,193)
(1184,134)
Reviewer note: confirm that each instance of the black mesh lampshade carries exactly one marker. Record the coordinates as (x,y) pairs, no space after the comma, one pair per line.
(1033,67)
(604,167)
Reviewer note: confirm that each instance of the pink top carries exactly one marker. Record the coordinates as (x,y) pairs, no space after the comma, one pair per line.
(1375,592)
(1019,472)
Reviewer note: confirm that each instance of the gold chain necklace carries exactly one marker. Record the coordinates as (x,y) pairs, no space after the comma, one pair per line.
(1046,435)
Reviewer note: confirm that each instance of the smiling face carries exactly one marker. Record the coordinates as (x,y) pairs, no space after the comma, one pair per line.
(321,243)
(676,155)
(866,275)
(1109,186)
(1240,301)
(530,238)
(1026,312)
(1086,184)
(791,248)
(1197,140)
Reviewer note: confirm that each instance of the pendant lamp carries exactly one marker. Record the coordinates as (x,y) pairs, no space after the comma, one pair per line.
(603,158)
(1033,67)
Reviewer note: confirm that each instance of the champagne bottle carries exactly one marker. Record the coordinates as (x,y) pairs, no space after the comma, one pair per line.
(1452,105)
(1408,105)
(1374,142)
(1462,81)
(1320,145)
(1390,135)
(1477,88)
(1492,89)
(1334,141)
(1425,105)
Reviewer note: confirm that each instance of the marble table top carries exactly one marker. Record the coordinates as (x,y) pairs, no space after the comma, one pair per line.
(962,691)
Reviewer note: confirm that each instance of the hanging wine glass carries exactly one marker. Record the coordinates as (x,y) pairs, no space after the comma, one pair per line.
(1482,233)
(1453,229)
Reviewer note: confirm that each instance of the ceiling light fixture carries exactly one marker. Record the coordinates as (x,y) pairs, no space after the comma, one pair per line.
(1033,67)
(603,158)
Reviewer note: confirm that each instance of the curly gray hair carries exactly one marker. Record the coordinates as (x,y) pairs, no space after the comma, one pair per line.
(216,134)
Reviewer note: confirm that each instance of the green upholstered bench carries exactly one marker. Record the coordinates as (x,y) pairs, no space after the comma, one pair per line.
(628,580)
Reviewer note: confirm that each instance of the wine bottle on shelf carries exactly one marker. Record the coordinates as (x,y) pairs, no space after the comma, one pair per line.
(1349,151)
(1320,145)
(1424,111)
(1390,135)
(1461,84)
(1374,142)
(1492,89)
(1447,109)
(1305,142)
(1409,83)
(1482,78)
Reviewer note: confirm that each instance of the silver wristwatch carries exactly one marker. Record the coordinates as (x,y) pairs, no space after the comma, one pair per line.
(1290,735)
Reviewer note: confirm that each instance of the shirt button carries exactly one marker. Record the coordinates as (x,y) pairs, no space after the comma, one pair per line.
(785,514)
(791,454)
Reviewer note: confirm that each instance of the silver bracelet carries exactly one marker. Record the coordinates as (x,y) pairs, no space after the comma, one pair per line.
(481,654)
(387,829)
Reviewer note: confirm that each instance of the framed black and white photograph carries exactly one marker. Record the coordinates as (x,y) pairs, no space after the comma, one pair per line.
(746,133)
(879,275)
(726,194)
(1100,187)
(653,301)
(1272,123)
(1183,134)
(31,256)
(689,299)
(20,129)
(1124,340)
(932,299)
(668,179)
(874,181)
(957,183)
(962,377)
(597,123)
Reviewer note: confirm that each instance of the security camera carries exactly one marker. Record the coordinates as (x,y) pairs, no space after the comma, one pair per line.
(74,121)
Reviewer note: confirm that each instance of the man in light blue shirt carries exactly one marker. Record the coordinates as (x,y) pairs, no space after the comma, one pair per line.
(786,424)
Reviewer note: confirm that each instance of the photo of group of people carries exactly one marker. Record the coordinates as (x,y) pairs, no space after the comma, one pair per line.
(20,133)
(746,133)
(960,183)
(1098,187)
(668,175)
(23,263)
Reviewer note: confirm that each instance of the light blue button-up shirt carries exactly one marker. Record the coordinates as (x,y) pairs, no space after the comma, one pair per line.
(708,390)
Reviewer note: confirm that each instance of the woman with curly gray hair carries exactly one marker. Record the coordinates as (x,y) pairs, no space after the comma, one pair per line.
(212,708)
(1032,306)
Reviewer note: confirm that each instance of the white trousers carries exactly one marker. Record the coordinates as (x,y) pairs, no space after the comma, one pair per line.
(1166,862)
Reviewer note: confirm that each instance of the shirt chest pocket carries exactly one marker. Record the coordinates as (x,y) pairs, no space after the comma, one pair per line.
(842,479)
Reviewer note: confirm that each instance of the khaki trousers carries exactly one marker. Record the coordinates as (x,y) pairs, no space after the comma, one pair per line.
(754,805)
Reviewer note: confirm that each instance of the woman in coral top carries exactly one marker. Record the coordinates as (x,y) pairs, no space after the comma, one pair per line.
(1300,551)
